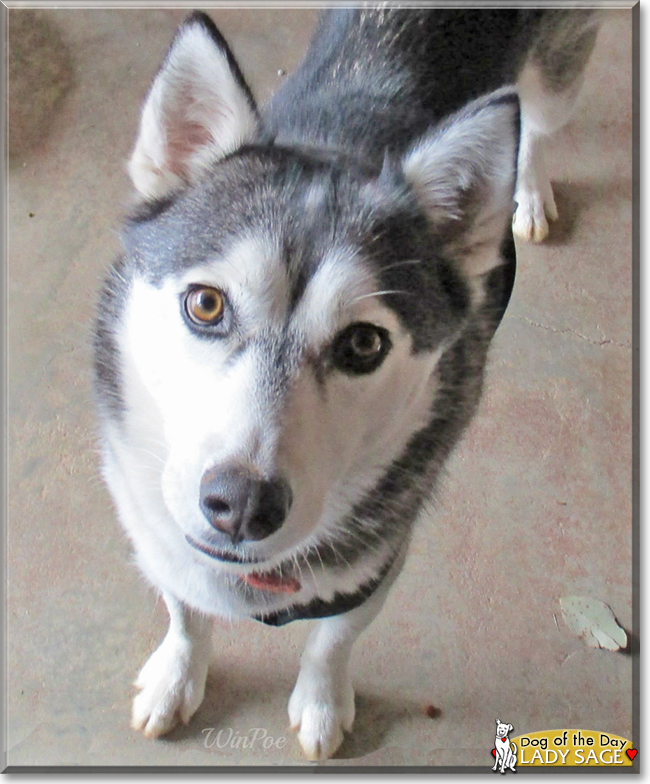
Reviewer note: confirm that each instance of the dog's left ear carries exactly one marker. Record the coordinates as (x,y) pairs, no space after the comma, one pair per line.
(199,109)
(464,176)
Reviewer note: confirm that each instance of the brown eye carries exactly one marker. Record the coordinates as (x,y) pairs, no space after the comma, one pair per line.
(360,348)
(365,342)
(204,305)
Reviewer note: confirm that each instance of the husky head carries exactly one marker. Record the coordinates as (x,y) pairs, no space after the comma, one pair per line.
(270,346)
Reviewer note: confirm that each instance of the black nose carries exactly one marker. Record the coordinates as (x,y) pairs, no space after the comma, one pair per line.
(242,507)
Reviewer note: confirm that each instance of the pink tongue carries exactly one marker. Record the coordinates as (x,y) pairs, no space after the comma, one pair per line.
(272,582)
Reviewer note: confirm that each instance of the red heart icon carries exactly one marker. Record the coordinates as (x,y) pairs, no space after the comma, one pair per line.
(631,753)
(494,752)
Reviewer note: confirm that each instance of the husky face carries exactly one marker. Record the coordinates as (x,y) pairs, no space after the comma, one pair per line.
(312,373)
(295,334)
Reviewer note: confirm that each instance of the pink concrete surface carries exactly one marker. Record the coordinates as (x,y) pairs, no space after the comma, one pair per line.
(536,503)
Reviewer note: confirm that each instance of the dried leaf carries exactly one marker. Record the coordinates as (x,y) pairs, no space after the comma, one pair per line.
(594,621)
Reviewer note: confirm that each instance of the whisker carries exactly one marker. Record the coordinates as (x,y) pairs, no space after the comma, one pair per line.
(310,569)
(155,441)
(151,454)
(366,542)
(337,554)
(297,564)
(400,264)
(380,294)
(315,547)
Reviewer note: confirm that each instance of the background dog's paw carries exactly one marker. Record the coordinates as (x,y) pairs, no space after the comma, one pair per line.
(172,686)
(534,210)
(320,709)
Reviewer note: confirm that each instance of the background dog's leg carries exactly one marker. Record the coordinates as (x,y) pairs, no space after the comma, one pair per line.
(548,86)
(172,682)
(322,703)
(534,195)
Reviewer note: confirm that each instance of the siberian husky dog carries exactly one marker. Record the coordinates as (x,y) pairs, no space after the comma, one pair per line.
(294,336)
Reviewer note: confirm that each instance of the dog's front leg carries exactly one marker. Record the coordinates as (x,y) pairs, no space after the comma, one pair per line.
(172,682)
(322,702)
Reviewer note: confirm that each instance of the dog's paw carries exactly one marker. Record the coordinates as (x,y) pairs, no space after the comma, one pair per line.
(535,207)
(321,708)
(172,686)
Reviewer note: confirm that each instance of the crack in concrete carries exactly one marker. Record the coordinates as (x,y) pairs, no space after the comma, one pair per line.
(568,331)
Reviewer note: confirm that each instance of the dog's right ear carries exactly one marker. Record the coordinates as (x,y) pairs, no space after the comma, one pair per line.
(199,109)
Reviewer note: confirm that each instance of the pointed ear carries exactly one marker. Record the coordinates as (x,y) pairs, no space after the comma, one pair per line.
(199,109)
(464,177)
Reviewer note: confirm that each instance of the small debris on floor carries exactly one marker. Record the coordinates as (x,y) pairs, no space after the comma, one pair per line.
(594,621)
(432,712)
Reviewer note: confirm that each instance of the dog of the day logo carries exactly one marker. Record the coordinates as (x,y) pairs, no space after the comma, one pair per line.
(562,748)
(505,752)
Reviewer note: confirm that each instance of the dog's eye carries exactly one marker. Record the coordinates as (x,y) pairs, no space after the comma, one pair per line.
(360,348)
(204,305)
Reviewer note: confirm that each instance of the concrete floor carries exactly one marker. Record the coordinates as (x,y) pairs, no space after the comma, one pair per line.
(537,504)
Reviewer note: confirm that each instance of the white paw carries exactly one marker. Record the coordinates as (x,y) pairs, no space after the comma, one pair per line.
(535,207)
(321,708)
(172,686)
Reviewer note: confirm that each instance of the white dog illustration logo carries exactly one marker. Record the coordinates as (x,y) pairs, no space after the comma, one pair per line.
(505,752)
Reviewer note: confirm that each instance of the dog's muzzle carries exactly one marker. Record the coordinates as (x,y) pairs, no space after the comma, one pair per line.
(242,507)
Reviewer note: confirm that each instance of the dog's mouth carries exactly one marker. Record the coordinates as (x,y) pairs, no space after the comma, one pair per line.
(220,555)
(272,581)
